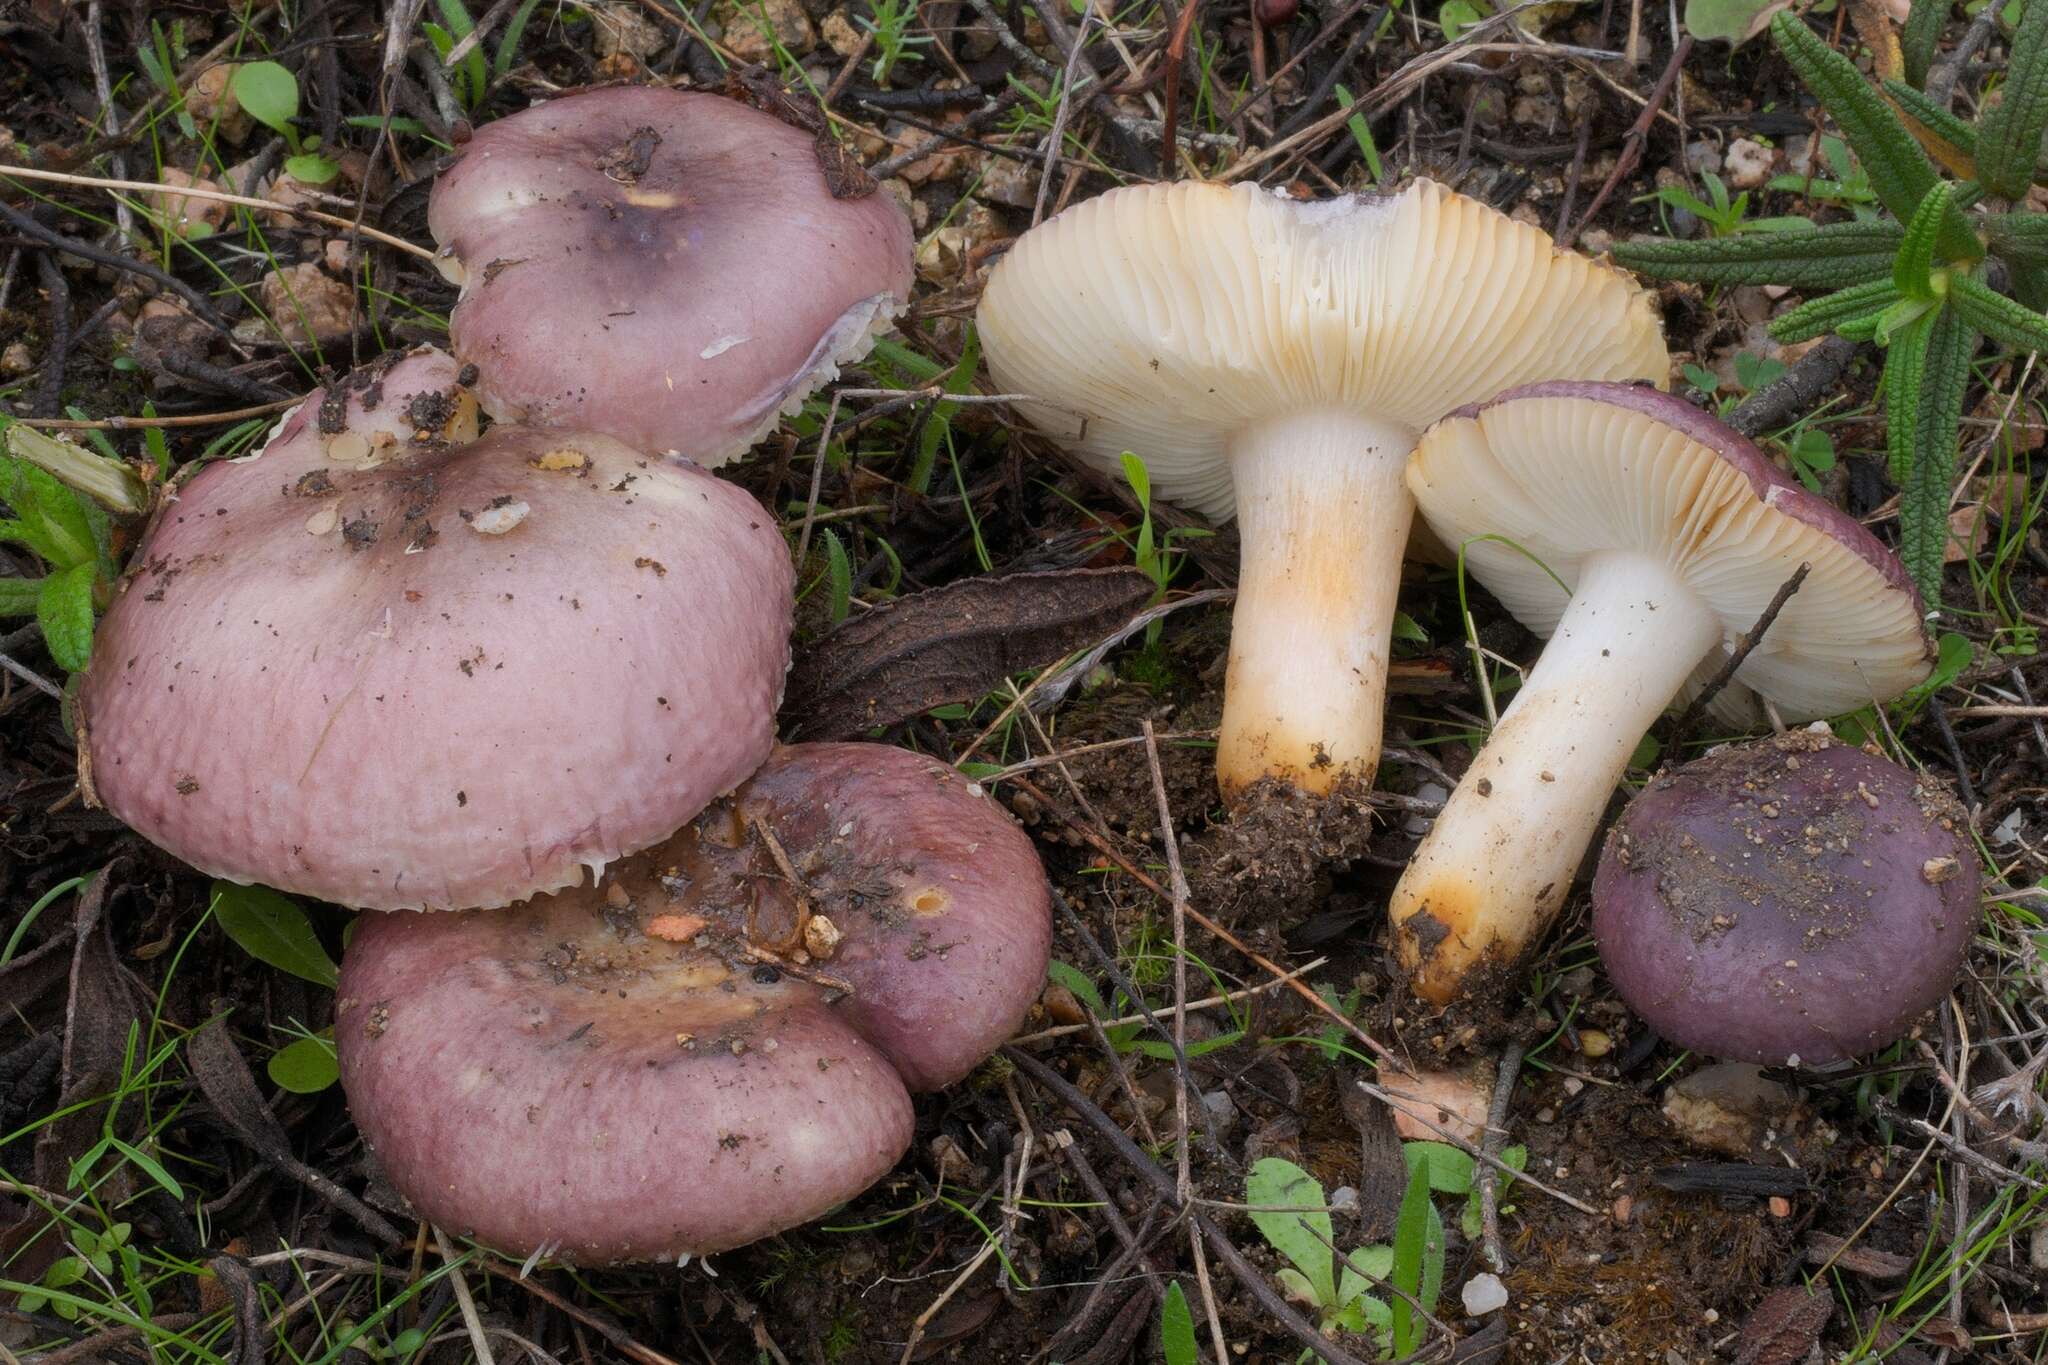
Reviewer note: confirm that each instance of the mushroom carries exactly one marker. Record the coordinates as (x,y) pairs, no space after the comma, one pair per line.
(718,1040)
(383,667)
(668,268)
(1792,901)
(1276,359)
(1643,537)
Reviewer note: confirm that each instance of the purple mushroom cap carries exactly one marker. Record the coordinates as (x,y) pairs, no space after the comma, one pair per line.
(387,668)
(718,1040)
(1789,901)
(668,268)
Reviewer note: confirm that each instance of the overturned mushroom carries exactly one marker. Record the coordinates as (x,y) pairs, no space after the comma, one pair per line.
(1788,901)
(1275,360)
(717,1041)
(1643,537)
(669,268)
(379,665)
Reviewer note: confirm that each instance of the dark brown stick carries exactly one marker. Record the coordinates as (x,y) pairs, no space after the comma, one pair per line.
(1748,641)
(1638,136)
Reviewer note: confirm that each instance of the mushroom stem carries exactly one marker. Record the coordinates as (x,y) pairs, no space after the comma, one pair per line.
(1323,516)
(1497,864)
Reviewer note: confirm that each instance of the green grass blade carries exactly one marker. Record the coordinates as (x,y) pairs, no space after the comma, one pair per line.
(1998,317)
(1818,317)
(1921,37)
(1177,1328)
(1899,170)
(1926,374)
(1832,257)
(2009,133)
(1913,267)
(508,45)
(1411,1253)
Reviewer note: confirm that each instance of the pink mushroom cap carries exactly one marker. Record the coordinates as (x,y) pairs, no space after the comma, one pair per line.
(669,268)
(718,1040)
(383,666)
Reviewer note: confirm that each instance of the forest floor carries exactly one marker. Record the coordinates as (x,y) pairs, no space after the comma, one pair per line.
(157,1206)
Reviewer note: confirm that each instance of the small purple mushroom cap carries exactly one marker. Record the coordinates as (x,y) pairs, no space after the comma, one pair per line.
(1792,901)
(668,268)
(718,1040)
(381,666)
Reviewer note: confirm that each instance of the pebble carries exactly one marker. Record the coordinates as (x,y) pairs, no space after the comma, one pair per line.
(1344,1199)
(1484,1294)
(1749,164)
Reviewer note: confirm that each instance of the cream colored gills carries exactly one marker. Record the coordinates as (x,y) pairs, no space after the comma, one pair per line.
(1276,360)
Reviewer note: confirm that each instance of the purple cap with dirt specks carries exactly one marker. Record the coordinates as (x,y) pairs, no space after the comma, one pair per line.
(388,666)
(1790,901)
(716,1042)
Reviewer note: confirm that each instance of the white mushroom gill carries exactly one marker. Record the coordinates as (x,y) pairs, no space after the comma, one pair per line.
(1276,360)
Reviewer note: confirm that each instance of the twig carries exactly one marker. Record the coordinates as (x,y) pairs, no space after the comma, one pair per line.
(192,419)
(476,35)
(96,57)
(1477,1153)
(1169,150)
(480,1343)
(31,677)
(1056,138)
(1744,645)
(57,354)
(1247,1274)
(1796,390)
(1942,76)
(1489,1143)
(1638,135)
(988,1249)
(1209,1002)
(220,196)
(85,251)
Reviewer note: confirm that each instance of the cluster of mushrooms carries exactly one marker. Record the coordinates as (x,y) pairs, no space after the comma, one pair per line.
(398,665)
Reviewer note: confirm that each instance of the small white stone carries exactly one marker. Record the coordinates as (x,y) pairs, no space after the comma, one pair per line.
(1484,1294)
(1749,164)
(1344,1199)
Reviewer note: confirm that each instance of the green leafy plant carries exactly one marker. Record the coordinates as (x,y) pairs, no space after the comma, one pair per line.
(1723,215)
(1451,1170)
(1915,284)
(1157,555)
(69,533)
(1288,1208)
(94,1253)
(272,929)
(890,21)
(1125,1037)
(269,94)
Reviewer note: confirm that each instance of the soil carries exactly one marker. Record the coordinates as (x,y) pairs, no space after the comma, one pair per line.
(1669,1269)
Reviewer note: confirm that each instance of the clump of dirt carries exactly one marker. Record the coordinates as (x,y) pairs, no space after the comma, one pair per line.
(1269,863)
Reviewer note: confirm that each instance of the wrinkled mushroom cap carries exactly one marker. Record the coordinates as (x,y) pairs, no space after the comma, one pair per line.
(700,1051)
(668,268)
(1565,471)
(378,666)
(1164,319)
(1788,901)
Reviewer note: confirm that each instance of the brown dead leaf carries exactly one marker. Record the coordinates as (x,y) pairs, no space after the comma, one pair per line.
(1783,1328)
(1854,1257)
(951,644)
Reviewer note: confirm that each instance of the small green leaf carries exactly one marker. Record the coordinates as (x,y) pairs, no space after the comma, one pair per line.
(1448,1169)
(2009,133)
(1078,984)
(1406,629)
(1831,257)
(18,595)
(508,46)
(1952,654)
(1996,316)
(311,168)
(305,1067)
(1456,16)
(1418,1247)
(274,930)
(1913,268)
(838,576)
(1303,1238)
(269,94)
(1729,21)
(64,611)
(1177,1327)
(150,1167)
(1921,38)
(1363,1269)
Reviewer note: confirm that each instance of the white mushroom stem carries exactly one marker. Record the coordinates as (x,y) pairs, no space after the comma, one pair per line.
(1496,866)
(1323,516)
